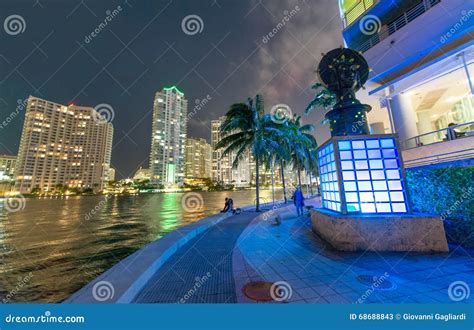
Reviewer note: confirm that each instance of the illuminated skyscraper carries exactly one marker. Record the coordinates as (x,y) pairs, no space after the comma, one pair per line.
(222,171)
(198,159)
(62,145)
(168,137)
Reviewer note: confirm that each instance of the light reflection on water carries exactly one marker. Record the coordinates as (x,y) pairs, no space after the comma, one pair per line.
(65,245)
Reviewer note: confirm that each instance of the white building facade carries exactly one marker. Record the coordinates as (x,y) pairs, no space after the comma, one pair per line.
(421,53)
(62,145)
(168,137)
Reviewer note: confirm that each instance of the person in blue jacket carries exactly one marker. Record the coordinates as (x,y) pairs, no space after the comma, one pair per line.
(298,200)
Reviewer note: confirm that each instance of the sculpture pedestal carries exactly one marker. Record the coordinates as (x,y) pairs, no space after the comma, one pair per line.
(380,232)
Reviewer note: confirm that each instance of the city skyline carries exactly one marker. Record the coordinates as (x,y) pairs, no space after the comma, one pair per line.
(217,64)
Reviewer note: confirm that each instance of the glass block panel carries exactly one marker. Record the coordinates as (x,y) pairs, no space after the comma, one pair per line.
(381,196)
(399,207)
(364,185)
(344,145)
(347,165)
(383,208)
(390,163)
(394,185)
(379,185)
(388,153)
(352,207)
(393,174)
(350,186)
(360,144)
(397,196)
(360,154)
(363,175)
(361,165)
(366,197)
(367,207)
(371,174)
(375,153)
(372,144)
(387,143)
(346,154)
(377,175)
(352,197)
(348,175)
(376,163)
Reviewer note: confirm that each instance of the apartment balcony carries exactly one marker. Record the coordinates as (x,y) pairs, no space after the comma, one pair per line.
(395,25)
(455,143)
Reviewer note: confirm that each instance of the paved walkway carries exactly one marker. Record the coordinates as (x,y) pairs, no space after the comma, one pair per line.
(316,273)
(201,271)
(214,267)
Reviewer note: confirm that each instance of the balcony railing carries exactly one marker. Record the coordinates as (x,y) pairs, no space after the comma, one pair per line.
(356,11)
(397,24)
(445,134)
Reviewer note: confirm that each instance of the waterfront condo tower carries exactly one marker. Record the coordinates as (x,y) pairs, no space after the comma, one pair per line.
(222,171)
(198,159)
(168,138)
(421,86)
(7,167)
(62,145)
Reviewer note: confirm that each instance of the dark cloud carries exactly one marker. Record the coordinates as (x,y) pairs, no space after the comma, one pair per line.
(143,48)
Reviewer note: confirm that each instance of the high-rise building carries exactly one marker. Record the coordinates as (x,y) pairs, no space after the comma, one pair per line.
(222,171)
(168,137)
(7,167)
(142,174)
(198,159)
(111,175)
(421,85)
(62,145)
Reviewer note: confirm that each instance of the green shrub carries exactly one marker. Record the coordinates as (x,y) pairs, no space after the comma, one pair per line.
(447,192)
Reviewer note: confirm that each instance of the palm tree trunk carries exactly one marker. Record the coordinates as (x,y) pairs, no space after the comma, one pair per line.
(273,183)
(257,185)
(299,176)
(310,184)
(283,180)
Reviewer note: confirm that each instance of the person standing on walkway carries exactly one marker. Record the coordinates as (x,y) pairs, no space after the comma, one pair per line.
(298,200)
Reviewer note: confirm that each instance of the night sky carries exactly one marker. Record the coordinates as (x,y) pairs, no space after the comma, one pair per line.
(144,48)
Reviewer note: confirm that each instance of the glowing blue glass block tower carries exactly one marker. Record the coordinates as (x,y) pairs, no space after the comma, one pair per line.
(363,174)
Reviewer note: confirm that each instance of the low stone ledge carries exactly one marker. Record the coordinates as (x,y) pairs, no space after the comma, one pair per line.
(410,232)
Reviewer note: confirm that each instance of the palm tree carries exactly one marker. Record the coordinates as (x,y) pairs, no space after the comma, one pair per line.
(243,129)
(300,142)
(276,151)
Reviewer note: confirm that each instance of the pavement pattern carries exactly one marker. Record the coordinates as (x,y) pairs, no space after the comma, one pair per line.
(201,270)
(216,265)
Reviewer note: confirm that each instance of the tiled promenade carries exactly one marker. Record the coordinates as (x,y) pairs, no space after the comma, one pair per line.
(214,267)
(201,271)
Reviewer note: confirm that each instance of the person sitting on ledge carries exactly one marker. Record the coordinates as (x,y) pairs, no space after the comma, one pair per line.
(228,206)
